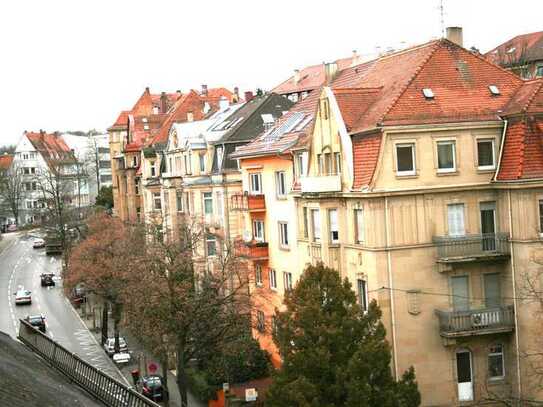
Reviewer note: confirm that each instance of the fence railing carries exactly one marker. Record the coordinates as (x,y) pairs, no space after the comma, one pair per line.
(472,245)
(452,323)
(103,387)
(246,202)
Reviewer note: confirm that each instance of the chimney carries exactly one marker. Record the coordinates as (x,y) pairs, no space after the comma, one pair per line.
(454,34)
(296,76)
(330,70)
(223,103)
(248,96)
(163,102)
(355,58)
(204,90)
(190,116)
(236,95)
(179,94)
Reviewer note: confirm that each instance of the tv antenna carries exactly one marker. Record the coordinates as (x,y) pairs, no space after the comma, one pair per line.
(442,18)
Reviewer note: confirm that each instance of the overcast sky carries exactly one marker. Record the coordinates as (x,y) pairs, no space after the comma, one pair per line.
(75,64)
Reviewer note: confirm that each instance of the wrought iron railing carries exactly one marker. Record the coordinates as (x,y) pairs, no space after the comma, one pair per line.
(455,323)
(103,387)
(472,245)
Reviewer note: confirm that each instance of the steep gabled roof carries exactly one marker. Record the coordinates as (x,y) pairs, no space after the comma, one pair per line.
(5,161)
(527,99)
(528,47)
(354,102)
(51,147)
(214,95)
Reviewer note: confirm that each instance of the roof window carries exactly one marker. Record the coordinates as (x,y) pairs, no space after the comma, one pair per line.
(494,90)
(428,93)
(144,119)
(511,50)
(145,127)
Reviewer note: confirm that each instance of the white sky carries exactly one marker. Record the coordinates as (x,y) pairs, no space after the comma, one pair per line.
(73,64)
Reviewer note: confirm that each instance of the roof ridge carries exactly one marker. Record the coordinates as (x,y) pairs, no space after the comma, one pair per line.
(521,151)
(435,47)
(532,96)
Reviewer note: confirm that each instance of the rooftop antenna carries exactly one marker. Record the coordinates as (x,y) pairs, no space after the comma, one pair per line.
(442,18)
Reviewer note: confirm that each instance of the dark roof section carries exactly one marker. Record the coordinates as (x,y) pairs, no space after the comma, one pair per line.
(251,112)
(26,381)
(525,47)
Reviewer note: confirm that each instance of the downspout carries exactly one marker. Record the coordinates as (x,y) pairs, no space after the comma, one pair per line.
(513,276)
(505,123)
(391,291)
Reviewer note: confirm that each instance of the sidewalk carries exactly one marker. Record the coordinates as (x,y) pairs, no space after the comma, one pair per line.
(139,354)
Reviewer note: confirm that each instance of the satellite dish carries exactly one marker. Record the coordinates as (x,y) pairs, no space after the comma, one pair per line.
(247,236)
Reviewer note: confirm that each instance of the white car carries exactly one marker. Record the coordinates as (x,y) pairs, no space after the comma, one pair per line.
(23,296)
(121,358)
(109,346)
(38,243)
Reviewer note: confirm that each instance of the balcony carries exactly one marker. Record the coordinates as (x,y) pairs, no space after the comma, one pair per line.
(472,248)
(246,202)
(457,324)
(252,250)
(325,183)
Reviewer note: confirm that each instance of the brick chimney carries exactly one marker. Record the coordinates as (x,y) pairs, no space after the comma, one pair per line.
(236,95)
(454,34)
(296,78)
(248,96)
(163,102)
(204,90)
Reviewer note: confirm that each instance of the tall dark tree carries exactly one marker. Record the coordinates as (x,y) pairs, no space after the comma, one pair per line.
(105,197)
(11,190)
(333,353)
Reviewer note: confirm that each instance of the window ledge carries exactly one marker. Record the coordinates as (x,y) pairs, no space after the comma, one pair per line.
(281,197)
(284,248)
(486,169)
(406,176)
(446,173)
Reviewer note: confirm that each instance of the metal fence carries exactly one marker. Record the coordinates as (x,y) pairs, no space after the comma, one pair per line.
(103,387)
(472,245)
(454,322)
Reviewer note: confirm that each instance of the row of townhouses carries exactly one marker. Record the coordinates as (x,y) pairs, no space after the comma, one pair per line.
(417,175)
(83,161)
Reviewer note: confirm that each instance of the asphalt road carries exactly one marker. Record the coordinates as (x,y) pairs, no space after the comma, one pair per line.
(21,265)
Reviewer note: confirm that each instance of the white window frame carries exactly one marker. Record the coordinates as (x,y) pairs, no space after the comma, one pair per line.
(258,177)
(487,167)
(258,230)
(281,184)
(333,213)
(153,169)
(273,279)
(364,295)
(463,212)
(260,321)
(179,201)
(206,197)
(493,354)
(316,232)
(287,280)
(202,163)
(413,157)
(258,275)
(446,143)
(283,235)
(211,239)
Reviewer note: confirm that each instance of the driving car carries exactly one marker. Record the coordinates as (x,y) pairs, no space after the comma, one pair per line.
(153,388)
(122,358)
(23,296)
(47,279)
(109,346)
(37,321)
(38,243)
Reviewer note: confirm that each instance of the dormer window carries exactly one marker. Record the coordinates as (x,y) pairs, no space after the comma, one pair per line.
(494,90)
(155,109)
(144,120)
(145,127)
(428,93)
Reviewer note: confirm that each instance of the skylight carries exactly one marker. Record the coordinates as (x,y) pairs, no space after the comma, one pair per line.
(428,93)
(494,90)
(511,50)
(267,118)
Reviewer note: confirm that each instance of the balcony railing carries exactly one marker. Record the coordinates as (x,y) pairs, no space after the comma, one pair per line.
(252,250)
(246,202)
(453,249)
(324,183)
(476,322)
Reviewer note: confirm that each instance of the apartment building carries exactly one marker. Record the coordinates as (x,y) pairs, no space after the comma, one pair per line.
(522,54)
(418,176)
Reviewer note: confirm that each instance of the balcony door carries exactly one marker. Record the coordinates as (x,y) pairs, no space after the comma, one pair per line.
(464,375)
(492,290)
(460,293)
(488,225)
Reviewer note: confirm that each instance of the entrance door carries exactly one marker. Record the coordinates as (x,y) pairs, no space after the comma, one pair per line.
(488,225)
(460,292)
(464,374)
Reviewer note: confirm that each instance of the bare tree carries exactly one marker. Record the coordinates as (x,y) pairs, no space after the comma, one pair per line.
(12,190)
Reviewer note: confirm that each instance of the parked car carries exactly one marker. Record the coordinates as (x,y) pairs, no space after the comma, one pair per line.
(122,358)
(47,279)
(23,296)
(79,296)
(109,346)
(11,228)
(37,321)
(38,243)
(153,388)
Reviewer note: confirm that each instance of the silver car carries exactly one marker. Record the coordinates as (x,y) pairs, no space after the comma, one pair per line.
(23,296)
(109,346)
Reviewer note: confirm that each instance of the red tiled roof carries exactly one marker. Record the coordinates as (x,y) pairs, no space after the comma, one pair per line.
(522,155)
(122,121)
(311,77)
(528,47)
(527,99)
(142,129)
(51,147)
(353,103)
(365,155)
(214,95)
(5,161)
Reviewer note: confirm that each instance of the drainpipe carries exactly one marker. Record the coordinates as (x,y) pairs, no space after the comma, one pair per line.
(505,123)
(391,291)
(519,382)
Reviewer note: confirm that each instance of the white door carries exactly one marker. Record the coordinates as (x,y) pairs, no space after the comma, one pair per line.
(464,375)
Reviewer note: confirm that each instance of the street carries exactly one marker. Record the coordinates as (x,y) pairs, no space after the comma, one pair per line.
(21,265)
